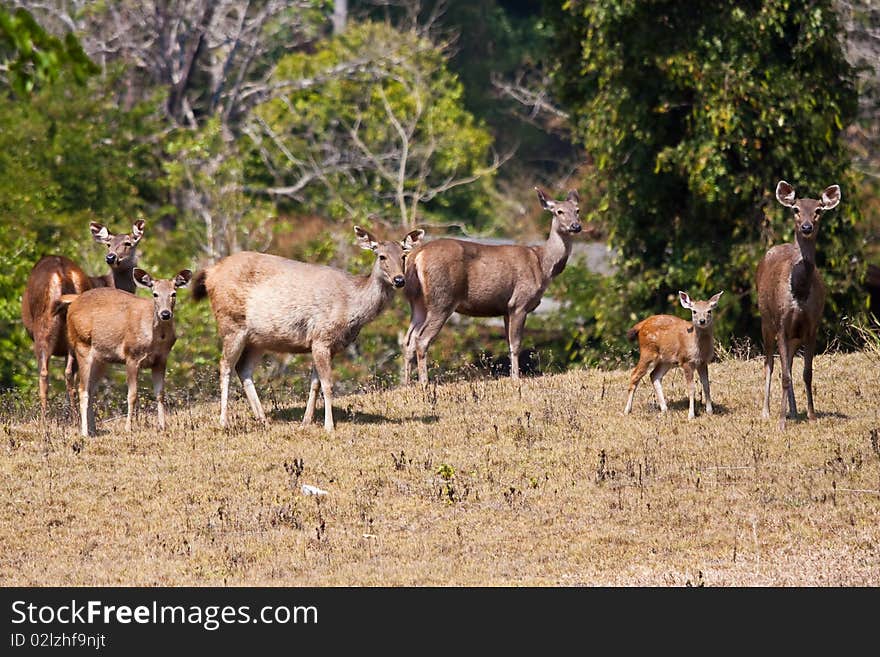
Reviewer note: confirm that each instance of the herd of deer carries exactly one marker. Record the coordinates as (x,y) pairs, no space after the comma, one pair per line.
(265,303)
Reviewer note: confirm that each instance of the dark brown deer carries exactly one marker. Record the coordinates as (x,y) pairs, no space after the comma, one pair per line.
(55,275)
(484,280)
(666,341)
(791,297)
(106,325)
(267,303)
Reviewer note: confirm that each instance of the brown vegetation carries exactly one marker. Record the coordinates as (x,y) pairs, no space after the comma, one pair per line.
(537,482)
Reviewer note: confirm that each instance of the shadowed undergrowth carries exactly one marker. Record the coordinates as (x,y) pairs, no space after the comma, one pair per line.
(478,482)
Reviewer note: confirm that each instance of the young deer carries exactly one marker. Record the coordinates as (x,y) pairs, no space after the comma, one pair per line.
(666,341)
(55,275)
(267,303)
(482,280)
(791,297)
(105,325)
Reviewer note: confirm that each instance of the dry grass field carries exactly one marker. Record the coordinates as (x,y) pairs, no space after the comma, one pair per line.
(483,482)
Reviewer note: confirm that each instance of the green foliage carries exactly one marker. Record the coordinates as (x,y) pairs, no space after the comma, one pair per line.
(68,156)
(346,123)
(30,57)
(692,116)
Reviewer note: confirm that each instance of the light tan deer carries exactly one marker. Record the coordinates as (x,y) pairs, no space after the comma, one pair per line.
(791,297)
(55,275)
(267,303)
(666,341)
(484,280)
(106,325)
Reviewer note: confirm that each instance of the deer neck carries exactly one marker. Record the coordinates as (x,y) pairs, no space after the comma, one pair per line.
(554,254)
(371,296)
(122,279)
(163,331)
(704,343)
(803,269)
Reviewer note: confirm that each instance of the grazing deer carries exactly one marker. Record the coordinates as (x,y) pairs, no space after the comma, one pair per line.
(791,297)
(55,275)
(666,341)
(482,280)
(105,325)
(267,303)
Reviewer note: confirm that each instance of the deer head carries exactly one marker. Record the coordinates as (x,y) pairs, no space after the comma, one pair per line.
(566,217)
(389,255)
(701,311)
(121,249)
(807,211)
(164,291)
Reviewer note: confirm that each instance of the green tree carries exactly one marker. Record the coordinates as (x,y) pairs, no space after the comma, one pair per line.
(693,112)
(372,122)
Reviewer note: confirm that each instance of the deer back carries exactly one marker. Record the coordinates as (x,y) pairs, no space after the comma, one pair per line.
(114,323)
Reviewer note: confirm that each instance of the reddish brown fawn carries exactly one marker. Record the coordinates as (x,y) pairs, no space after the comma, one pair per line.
(666,341)
(55,275)
(267,303)
(484,280)
(791,297)
(112,326)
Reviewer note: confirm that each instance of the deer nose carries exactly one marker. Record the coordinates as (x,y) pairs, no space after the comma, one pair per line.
(165,315)
(702,321)
(575,227)
(111,258)
(398,281)
(807,229)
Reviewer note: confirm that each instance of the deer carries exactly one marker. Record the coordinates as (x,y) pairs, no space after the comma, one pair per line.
(106,325)
(484,280)
(55,275)
(791,297)
(667,341)
(266,303)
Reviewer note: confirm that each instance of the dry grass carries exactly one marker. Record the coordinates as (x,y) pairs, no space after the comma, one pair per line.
(470,483)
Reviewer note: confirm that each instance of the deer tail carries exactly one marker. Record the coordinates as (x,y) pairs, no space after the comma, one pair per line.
(633,333)
(199,290)
(62,302)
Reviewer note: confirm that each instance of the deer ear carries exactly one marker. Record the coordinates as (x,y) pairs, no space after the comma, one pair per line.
(573,196)
(785,194)
(831,197)
(365,240)
(99,233)
(546,203)
(412,239)
(142,278)
(183,277)
(685,299)
(713,301)
(137,230)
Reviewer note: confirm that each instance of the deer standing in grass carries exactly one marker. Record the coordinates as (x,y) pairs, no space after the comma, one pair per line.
(791,297)
(55,275)
(267,303)
(112,326)
(666,341)
(484,280)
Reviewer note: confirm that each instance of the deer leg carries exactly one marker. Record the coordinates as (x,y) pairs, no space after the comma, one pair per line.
(768,374)
(792,406)
(42,354)
(516,323)
(131,374)
(247,363)
(688,370)
(703,370)
(809,352)
(313,394)
(656,379)
(637,374)
(433,323)
(233,345)
(321,357)
(158,373)
(70,383)
(86,373)
(415,325)
(784,364)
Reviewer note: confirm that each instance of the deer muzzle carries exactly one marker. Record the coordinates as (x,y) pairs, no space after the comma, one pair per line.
(398,281)
(111,258)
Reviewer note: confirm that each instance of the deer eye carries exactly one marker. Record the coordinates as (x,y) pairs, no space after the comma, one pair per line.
(128,244)
(559,212)
(155,295)
(381,257)
(174,295)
